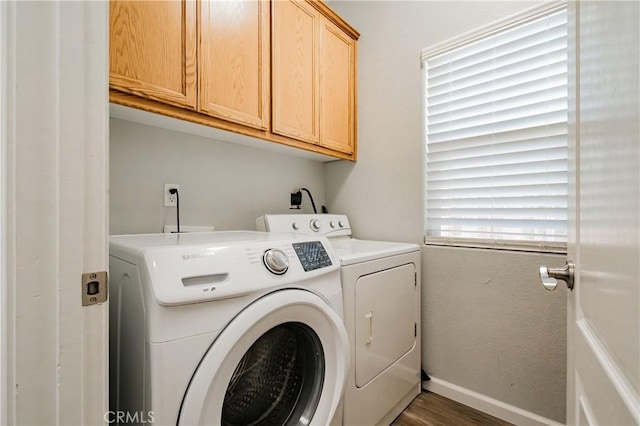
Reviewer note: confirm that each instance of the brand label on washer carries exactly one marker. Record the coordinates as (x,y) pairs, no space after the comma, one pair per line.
(199,255)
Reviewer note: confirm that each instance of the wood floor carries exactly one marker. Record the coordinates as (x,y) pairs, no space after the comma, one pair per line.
(430,409)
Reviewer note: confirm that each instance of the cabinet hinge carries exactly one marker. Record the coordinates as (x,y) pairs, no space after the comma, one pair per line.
(415,279)
(415,329)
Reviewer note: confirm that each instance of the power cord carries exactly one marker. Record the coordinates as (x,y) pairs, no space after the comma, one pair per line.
(311,198)
(175,191)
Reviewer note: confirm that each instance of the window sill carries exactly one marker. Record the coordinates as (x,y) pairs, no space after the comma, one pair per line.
(522,246)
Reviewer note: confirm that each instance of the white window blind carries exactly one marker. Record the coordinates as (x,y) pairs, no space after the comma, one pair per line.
(496,119)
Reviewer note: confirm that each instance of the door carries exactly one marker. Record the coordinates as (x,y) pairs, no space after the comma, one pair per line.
(282,360)
(603,315)
(153,50)
(337,88)
(233,61)
(55,210)
(383,333)
(295,56)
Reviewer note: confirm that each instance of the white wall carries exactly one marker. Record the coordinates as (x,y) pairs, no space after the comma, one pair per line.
(489,326)
(221,184)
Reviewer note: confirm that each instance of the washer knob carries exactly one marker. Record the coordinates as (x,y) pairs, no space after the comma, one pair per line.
(295,226)
(276,261)
(315,225)
(340,224)
(332,225)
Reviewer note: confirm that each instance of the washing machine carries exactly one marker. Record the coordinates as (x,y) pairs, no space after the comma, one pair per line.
(381,289)
(226,328)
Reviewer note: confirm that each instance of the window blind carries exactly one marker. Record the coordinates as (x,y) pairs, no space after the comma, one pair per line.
(496,130)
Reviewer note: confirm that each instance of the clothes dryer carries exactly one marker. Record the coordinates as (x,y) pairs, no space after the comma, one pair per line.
(226,328)
(381,289)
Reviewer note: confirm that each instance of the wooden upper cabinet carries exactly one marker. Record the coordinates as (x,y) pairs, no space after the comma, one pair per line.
(233,61)
(279,70)
(337,88)
(295,72)
(153,50)
(314,75)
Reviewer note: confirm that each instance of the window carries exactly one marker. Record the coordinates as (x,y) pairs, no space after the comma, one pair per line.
(496,132)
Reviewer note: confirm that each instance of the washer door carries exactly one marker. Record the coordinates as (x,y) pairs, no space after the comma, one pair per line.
(282,361)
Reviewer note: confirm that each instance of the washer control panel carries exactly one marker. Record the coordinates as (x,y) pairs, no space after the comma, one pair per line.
(312,255)
(204,266)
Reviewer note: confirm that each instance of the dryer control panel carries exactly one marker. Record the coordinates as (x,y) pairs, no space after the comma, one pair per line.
(329,225)
(312,255)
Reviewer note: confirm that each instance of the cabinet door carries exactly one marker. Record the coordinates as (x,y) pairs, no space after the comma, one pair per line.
(295,56)
(337,88)
(233,64)
(153,50)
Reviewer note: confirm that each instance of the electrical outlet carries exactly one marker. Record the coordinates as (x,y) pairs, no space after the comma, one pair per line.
(170,200)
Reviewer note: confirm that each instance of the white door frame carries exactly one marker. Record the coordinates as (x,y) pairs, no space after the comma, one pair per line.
(54,170)
(3,208)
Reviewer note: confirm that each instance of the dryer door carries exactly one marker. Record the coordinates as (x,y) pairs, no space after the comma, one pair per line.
(283,360)
(385,320)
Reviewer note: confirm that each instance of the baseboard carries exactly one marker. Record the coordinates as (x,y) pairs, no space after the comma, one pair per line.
(483,403)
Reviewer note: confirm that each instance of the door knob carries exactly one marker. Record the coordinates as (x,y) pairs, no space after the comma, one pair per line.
(549,276)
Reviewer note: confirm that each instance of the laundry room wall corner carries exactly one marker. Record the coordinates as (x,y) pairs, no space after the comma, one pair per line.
(383,196)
